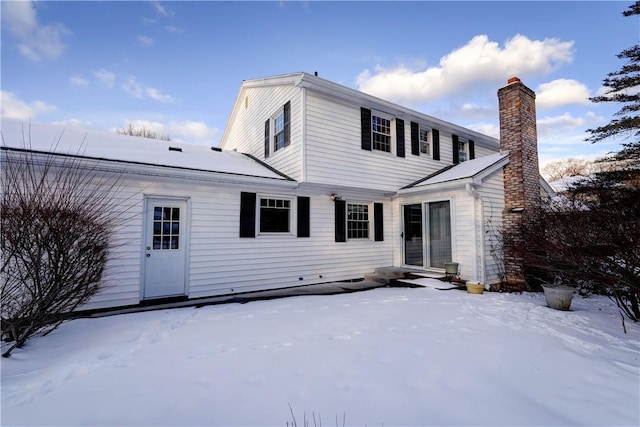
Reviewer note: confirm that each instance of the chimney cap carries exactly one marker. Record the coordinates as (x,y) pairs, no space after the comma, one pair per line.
(513,80)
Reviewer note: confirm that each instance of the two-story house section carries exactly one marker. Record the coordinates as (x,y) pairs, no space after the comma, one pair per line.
(320,132)
(313,182)
(432,190)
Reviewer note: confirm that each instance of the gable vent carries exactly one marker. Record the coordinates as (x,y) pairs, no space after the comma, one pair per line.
(175,149)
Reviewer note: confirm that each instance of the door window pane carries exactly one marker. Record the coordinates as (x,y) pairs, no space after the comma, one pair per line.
(166,228)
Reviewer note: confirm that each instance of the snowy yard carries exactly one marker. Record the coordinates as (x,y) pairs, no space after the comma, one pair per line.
(388,356)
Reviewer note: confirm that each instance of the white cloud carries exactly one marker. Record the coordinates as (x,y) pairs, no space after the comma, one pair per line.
(19,17)
(561,92)
(180,131)
(132,87)
(161,10)
(157,95)
(106,78)
(489,129)
(196,131)
(138,90)
(35,41)
(79,81)
(607,91)
(174,30)
(549,126)
(470,110)
(480,60)
(13,107)
(145,41)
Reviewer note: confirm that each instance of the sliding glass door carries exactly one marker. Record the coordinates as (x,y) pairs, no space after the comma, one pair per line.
(413,237)
(429,246)
(439,244)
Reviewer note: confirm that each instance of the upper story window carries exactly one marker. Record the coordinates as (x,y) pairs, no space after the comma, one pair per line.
(357,221)
(463,149)
(425,147)
(277,130)
(381,132)
(275,215)
(425,141)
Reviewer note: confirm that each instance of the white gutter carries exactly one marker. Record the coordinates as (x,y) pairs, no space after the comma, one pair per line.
(159,171)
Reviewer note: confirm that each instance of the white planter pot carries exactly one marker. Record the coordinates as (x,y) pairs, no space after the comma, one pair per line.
(558,296)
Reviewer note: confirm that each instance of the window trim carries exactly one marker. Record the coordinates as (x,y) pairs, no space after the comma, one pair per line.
(391,135)
(368,221)
(271,146)
(292,214)
(464,143)
(275,133)
(427,142)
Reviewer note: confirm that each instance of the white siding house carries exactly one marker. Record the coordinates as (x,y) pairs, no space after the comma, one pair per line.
(313,182)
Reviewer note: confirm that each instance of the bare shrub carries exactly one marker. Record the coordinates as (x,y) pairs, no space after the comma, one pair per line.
(567,168)
(590,237)
(58,214)
(143,132)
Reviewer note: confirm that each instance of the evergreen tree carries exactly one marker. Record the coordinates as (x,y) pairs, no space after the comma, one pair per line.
(624,88)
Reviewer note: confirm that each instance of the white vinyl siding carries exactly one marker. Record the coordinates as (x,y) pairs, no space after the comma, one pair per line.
(334,154)
(493,205)
(219,262)
(246,127)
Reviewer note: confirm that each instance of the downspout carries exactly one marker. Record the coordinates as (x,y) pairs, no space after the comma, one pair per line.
(479,270)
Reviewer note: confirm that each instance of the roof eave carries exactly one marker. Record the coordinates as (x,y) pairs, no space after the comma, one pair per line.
(437,186)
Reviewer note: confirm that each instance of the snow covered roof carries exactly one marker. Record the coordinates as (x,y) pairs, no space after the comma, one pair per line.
(472,169)
(52,138)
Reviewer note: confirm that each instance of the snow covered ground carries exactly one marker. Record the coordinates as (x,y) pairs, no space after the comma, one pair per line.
(388,356)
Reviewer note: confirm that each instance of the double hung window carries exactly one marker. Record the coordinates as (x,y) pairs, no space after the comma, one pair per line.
(277,130)
(424,140)
(357,221)
(381,133)
(463,149)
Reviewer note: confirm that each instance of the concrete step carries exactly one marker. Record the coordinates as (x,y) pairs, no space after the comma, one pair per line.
(380,278)
(391,272)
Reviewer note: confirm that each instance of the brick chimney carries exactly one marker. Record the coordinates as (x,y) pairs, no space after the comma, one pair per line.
(518,136)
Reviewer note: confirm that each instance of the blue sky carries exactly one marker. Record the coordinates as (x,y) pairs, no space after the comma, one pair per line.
(176,66)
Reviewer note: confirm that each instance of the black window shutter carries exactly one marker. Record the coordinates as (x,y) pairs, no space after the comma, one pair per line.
(456,154)
(303,217)
(415,139)
(266,138)
(341,220)
(247,214)
(365,123)
(287,123)
(472,150)
(436,144)
(399,137)
(378,222)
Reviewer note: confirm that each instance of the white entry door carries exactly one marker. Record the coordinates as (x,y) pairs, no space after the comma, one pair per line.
(165,252)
